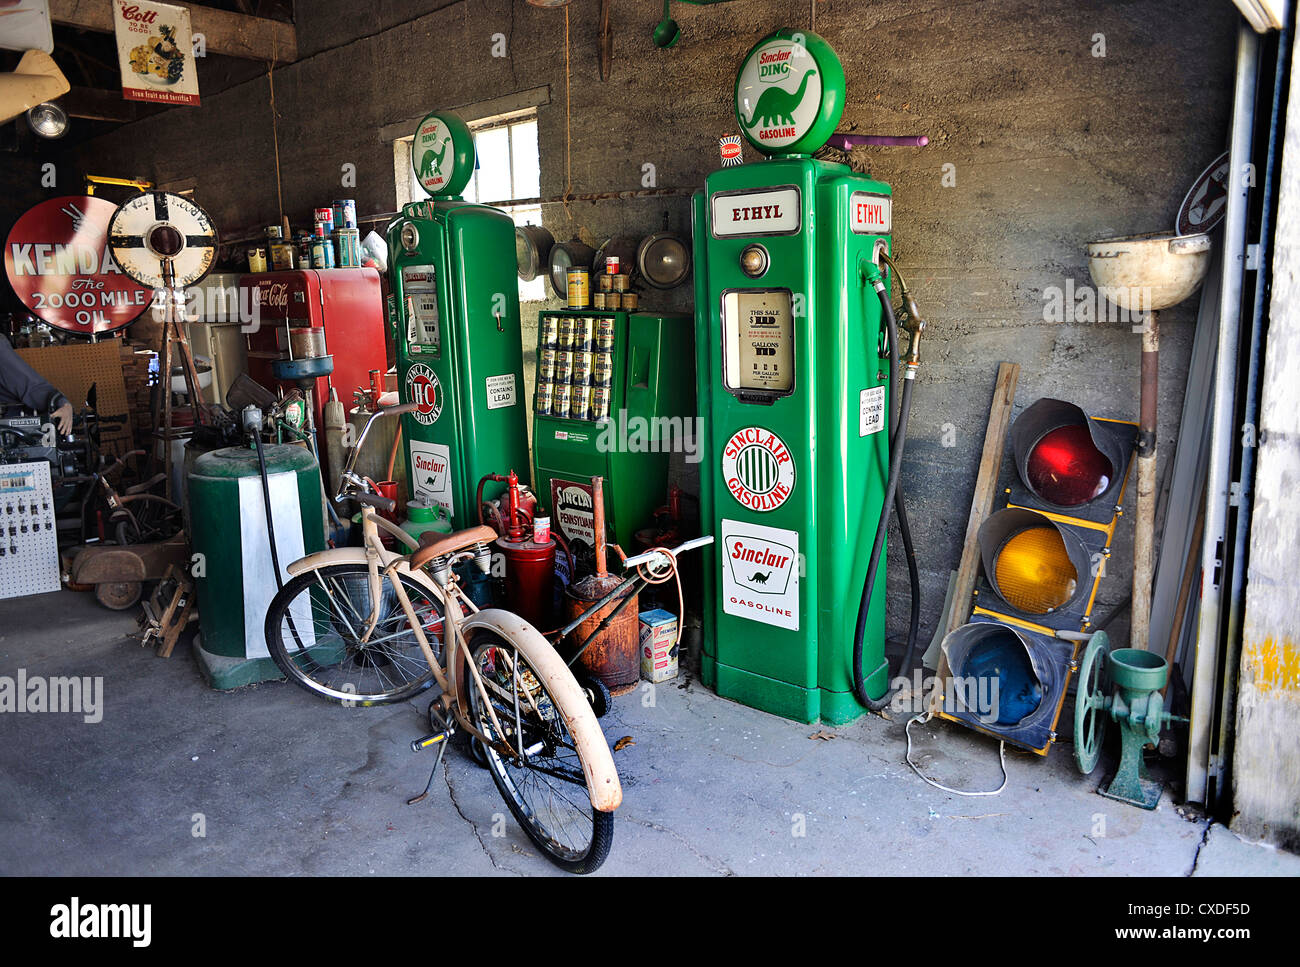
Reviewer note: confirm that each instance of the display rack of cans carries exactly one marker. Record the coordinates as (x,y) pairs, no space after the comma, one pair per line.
(575,367)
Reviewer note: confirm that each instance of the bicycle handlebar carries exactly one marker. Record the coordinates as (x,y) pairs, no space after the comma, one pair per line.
(655,552)
(386,504)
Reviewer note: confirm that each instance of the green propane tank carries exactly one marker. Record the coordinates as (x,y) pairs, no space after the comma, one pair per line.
(233,571)
(422,516)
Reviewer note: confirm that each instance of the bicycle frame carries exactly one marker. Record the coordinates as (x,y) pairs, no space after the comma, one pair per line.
(458,670)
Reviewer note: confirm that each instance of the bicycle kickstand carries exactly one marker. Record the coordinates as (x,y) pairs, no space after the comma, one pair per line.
(441,739)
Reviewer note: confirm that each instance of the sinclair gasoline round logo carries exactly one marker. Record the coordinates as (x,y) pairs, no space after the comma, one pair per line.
(758,468)
(424,390)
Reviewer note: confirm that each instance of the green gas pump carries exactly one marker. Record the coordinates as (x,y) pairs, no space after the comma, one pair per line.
(455,306)
(793,378)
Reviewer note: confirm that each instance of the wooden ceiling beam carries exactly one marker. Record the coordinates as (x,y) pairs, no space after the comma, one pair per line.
(232,34)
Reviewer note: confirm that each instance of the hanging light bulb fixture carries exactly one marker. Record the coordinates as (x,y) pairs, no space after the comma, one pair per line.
(48,120)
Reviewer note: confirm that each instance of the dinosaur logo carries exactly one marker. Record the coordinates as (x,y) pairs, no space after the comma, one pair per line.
(776,106)
(760,577)
(431,164)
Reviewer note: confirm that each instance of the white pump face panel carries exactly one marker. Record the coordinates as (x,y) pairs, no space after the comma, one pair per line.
(758,334)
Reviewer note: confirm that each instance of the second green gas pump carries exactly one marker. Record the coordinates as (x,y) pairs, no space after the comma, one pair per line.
(455,304)
(793,386)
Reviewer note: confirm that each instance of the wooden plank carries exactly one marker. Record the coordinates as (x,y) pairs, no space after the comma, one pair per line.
(94,104)
(981,505)
(986,483)
(233,34)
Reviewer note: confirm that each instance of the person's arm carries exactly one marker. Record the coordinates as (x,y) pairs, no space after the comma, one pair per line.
(19,383)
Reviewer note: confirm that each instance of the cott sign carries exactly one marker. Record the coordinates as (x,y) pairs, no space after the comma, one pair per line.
(59,265)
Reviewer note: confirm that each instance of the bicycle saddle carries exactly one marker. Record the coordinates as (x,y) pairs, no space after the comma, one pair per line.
(432,546)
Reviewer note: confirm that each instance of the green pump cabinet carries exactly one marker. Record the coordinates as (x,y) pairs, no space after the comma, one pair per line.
(455,303)
(793,390)
(614,396)
(234,575)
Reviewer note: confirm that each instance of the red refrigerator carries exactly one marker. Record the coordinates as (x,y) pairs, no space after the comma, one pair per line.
(347,303)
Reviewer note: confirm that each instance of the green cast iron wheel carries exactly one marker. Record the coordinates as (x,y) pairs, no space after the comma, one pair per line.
(1090,704)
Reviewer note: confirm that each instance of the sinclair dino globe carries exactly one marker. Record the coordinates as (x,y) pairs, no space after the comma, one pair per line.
(790,93)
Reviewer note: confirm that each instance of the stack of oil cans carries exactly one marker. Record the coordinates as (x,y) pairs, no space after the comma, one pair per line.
(576,367)
(336,242)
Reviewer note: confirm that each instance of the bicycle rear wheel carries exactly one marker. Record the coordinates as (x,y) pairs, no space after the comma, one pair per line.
(541,777)
(315,633)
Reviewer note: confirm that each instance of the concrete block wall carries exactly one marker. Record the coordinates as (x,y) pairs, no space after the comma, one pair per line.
(1050,145)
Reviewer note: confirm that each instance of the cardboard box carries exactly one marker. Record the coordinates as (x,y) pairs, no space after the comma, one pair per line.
(658,645)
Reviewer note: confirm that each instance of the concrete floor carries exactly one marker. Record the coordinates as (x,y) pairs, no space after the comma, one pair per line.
(283,783)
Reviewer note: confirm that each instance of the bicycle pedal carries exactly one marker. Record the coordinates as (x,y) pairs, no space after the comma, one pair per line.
(432,739)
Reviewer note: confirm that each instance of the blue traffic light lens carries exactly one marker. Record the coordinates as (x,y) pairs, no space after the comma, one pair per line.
(1000,661)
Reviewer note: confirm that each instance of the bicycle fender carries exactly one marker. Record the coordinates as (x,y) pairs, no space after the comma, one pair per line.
(603,786)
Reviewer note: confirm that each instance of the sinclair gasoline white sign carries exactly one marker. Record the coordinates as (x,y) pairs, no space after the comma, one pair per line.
(431,469)
(760,573)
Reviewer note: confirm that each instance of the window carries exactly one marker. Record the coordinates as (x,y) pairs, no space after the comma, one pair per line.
(507,176)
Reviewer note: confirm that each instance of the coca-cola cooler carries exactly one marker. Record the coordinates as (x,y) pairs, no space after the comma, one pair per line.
(347,303)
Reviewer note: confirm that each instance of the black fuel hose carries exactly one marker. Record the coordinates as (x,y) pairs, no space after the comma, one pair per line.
(894,497)
(266,504)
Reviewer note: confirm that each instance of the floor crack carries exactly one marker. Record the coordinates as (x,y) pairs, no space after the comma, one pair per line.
(1205,837)
(716,865)
(451,793)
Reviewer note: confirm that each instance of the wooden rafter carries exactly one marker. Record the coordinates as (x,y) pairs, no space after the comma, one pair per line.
(232,34)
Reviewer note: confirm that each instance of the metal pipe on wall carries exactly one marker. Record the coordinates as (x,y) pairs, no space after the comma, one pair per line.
(1202,755)
(1250,406)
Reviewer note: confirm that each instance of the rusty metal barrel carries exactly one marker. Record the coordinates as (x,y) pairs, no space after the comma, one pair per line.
(613,656)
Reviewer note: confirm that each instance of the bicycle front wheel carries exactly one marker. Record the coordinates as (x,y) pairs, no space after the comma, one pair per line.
(316,633)
(541,776)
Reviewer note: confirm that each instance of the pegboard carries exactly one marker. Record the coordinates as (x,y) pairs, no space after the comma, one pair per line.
(29,540)
(73,368)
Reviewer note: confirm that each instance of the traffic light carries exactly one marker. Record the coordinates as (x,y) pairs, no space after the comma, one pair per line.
(1042,557)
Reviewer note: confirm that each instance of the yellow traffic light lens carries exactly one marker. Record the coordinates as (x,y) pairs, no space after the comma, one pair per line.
(1034,572)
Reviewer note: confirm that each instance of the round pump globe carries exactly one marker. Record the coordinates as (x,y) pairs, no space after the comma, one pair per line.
(789,93)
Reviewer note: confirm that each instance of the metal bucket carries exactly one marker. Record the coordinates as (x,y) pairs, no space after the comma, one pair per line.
(614,656)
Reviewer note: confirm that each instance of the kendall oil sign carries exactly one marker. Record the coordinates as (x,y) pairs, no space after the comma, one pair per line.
(58,263)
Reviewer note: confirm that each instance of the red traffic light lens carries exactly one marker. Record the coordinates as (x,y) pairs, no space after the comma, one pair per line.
(1066,468)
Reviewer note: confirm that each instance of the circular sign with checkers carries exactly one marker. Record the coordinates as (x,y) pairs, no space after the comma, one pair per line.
(157,227)
(758,468)
(424,390)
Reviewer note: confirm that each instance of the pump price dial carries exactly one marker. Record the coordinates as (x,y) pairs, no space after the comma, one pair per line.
(758,328)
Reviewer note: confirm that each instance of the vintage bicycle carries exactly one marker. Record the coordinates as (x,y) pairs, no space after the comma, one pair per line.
(368,626)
